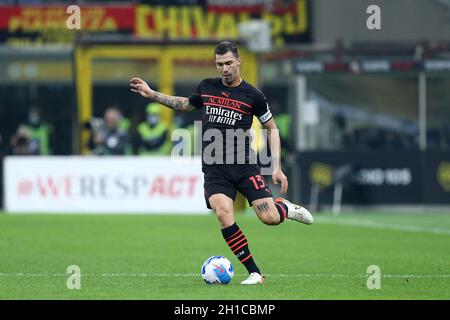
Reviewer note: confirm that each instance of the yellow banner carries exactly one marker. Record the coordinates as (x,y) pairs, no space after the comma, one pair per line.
(197,23)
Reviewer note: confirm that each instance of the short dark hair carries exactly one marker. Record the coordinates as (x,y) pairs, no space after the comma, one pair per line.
(226,46)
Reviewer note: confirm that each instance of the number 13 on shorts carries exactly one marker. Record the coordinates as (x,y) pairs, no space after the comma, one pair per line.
(258,182)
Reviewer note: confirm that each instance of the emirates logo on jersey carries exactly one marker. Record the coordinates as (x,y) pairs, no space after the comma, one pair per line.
(223,116)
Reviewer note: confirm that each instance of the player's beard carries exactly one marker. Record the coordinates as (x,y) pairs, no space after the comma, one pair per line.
(228,79)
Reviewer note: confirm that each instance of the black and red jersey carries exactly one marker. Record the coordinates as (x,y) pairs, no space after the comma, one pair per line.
(230,111)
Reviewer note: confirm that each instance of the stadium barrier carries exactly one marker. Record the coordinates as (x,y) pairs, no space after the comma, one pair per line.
(86,184)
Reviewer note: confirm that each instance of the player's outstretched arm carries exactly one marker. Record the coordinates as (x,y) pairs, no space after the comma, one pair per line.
(176,103)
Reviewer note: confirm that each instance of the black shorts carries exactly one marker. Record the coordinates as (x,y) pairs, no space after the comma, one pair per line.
(228,179)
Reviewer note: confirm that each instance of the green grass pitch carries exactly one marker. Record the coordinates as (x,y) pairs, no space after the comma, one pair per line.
(159,256)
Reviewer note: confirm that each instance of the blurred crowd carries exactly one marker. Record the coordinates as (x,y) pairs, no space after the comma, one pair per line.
(111,134)
(115,134)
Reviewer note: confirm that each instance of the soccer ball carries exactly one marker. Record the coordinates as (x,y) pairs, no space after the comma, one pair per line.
(217,270)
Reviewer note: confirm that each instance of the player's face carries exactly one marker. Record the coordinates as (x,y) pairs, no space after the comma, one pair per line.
(228,67)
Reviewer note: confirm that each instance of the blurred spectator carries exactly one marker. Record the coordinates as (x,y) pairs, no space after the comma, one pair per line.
(107,138)
(23,144)
(153,134)
(38,131)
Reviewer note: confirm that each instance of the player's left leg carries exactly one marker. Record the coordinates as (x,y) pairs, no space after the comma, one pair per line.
(294,211)
(255,188)
(275,212)
(268,212)
(257,191)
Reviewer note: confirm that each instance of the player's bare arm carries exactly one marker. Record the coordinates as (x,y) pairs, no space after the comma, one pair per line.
(176,103)
(275,149)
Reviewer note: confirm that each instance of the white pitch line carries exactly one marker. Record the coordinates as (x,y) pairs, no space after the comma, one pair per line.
(161,275)
(379,225)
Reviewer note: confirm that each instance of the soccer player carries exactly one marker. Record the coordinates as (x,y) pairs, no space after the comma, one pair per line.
(229,103)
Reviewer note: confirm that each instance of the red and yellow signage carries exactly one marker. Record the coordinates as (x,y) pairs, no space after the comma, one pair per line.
(205,20)
(47,24)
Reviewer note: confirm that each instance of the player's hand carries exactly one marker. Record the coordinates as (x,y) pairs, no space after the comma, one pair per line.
(278,176)
(140,86)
